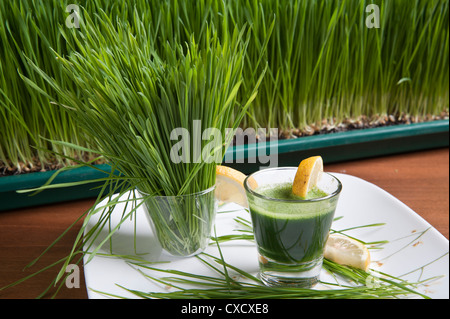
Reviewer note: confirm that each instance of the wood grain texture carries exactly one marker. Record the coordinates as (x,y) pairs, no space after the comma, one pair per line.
(25,234)
(420,180)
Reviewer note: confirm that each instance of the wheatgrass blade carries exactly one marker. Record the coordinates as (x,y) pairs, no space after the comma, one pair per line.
(225,287)
(230,282)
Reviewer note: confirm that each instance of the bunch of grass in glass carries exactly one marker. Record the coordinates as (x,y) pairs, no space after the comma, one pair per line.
(133,103)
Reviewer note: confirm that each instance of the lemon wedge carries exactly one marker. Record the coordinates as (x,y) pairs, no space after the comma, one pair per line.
(308,174)
(230,185)
(347,251)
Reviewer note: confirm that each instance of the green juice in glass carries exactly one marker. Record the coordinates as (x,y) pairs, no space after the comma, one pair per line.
(290,231)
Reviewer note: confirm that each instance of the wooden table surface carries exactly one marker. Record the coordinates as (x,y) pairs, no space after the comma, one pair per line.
(419,179)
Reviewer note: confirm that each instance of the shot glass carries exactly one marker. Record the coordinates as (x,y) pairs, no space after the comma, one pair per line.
(290,233)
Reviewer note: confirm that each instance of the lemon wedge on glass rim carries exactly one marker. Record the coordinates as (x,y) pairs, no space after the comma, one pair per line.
(338,248)
(308,174)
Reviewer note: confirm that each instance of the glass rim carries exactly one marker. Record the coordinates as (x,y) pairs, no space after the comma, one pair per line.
(203,192)
(288,168)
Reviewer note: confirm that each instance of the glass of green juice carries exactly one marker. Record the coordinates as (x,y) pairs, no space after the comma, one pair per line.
(290,231)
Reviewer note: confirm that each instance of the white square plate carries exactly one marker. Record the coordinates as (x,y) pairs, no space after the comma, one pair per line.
(416,251)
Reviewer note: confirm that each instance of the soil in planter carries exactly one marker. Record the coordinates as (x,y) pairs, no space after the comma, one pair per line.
(37,166)
(326,127)
(363,122)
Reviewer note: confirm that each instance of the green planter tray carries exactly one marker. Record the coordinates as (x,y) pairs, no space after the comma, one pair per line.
(333,147)
(350,145)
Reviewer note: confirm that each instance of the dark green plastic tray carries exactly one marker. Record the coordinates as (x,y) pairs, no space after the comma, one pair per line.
(334,147)
(350,145)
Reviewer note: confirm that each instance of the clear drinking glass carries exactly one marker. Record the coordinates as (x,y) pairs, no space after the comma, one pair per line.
(182,223)
(290,233)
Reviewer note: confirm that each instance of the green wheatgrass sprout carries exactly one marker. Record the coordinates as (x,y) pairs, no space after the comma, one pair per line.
(29,30)
(130,101)
(324,65)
